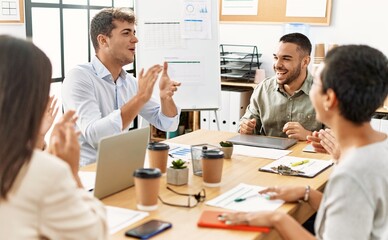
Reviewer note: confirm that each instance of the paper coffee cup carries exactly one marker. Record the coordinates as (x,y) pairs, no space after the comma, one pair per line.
(158,155)
(212,164)
(319,51)
(147,182)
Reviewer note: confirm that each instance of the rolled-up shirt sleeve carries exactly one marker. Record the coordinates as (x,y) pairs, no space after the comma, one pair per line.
(152,112)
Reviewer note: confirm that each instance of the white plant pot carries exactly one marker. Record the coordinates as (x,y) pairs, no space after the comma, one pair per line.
(177,176)
(228,151)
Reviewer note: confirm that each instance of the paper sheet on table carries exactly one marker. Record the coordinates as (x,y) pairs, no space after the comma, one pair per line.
(181,151)
(119,218)
(260,152)
(88,179)
(309,148)
(251,204)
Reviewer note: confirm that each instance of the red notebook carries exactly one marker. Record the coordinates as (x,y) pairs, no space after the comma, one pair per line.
(210,219)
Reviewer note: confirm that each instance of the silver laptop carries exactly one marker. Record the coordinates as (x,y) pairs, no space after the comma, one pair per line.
(263,141)
(118,157)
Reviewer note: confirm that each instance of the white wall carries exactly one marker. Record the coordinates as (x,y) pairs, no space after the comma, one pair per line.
(352,22)
(19,30)
(16,30)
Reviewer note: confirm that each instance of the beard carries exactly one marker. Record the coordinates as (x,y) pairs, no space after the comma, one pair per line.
(292,75)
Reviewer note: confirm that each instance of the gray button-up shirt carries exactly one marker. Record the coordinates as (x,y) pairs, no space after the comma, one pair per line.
(273,107)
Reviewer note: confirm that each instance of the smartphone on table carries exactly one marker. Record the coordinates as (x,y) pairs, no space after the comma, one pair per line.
(148,229)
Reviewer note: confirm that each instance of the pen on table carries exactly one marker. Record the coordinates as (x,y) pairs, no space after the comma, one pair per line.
(299,163)
(170,155)
(241,199)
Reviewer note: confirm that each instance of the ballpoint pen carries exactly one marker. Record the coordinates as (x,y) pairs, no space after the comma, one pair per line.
(299,163)
(241,199)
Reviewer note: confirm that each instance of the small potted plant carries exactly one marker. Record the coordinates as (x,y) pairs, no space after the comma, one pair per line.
(227,148)
(178,173)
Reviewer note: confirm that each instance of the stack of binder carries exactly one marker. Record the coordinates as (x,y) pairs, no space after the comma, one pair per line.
(234,101)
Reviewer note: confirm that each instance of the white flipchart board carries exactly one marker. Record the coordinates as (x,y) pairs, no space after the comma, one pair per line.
(185,34)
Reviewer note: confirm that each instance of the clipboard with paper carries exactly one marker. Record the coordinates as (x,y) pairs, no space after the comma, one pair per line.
(296,166)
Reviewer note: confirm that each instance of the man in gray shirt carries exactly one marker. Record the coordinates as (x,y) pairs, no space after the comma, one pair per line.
(280,105)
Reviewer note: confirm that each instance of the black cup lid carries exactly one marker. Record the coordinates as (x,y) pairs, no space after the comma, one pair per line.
(147,173)
(212,154)
(158,146)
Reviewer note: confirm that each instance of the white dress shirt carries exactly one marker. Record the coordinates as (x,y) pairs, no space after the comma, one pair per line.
(89,89)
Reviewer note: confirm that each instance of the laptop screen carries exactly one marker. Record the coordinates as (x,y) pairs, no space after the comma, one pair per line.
(263,141)
(118,157)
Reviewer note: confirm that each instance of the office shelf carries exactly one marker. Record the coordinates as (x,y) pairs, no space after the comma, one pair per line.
(239,61)
(237,83)
(189,121)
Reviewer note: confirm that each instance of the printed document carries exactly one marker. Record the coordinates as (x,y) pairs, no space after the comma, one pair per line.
(253,200)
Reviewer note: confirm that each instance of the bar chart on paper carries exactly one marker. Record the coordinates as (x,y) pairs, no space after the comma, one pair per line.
(180,151)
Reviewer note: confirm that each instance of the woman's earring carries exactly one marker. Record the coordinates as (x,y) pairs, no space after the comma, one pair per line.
(326,108)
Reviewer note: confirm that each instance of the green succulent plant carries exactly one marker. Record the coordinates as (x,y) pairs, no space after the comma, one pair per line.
(178,164)
(226,144)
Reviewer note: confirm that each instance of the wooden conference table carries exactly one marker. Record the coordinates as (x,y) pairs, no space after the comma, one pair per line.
(239,169)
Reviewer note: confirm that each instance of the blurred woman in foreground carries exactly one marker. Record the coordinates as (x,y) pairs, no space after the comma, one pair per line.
(41,196)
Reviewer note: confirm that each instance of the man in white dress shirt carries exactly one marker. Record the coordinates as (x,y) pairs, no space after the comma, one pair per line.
(106,98)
